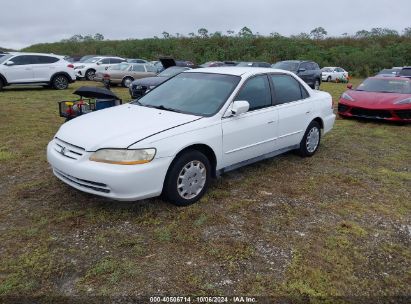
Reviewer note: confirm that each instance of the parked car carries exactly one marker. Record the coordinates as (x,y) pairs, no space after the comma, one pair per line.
(333,74)
(140,87)
(389,72)
(126,73)
(199,124)
(36,69)
(137,60)
(210,64)
(158,65)
(253,64)
(309,71)
(88,68)
(386,98)
(405,72)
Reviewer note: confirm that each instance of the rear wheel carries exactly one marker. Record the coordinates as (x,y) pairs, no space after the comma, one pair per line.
(127,82)
(329,79)
(60,82)
(90,74)
(1,85)
(187,179)
(316,84)
(311,140)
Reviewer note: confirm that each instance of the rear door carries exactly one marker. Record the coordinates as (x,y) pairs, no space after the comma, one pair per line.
(294,107)
(253,133)
(21,71)
(44,67)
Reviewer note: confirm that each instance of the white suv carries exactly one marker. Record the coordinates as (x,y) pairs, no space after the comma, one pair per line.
(88,68)
(37,69)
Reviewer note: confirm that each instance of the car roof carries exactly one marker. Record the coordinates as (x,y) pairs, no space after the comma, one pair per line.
(237,71)
(36,54)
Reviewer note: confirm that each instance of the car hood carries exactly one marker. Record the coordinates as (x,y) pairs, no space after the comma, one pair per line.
(150,81)
(119,127)
(376,100)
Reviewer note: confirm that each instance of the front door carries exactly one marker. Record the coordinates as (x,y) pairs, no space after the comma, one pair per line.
(21,71)
(253,133)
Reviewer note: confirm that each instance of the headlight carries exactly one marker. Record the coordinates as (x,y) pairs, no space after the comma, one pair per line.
(124,156)
(404,101)
(347,97)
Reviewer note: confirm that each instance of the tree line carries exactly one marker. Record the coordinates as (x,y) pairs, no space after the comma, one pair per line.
(363,54)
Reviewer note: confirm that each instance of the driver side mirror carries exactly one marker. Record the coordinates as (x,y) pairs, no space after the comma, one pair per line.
(98,63)
(9,63)
(301,70)
(349,86)
(238,107)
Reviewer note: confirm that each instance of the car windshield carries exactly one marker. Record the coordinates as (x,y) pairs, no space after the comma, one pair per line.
(405,72)
(92,60)
(119,67)
(286,65)
(170,72)
(5,58)
(385,86)
(201,94)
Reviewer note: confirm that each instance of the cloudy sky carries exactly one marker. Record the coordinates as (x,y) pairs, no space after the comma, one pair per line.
(25,22)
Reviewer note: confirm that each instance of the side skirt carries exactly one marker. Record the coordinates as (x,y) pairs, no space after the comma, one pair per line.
(255,159)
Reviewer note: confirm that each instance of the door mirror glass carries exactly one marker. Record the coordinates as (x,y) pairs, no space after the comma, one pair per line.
(237,108)
(301,70)
(9,63)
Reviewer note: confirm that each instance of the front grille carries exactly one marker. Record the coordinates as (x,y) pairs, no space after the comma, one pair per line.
(68,150)
(370,113)
(342,108)
(403,114)
(99,187)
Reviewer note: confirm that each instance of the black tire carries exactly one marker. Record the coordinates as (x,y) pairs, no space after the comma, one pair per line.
(60,82)
(127,82)
(90,74)
(316,85)
(171,190)
(307,149)
(1,85)
(329,79)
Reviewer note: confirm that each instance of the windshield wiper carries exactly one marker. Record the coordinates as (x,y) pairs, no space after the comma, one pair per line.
(161,107)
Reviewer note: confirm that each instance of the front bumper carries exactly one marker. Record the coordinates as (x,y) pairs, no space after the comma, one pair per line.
(400,114)
(119,182)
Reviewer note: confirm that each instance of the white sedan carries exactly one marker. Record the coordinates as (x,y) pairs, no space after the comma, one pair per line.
(195,126)
(333,73)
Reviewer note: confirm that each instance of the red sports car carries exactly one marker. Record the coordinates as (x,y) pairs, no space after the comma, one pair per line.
(387,98)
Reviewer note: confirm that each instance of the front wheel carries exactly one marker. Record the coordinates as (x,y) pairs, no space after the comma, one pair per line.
(329,79)
(311,140)
(90,74)
(187,179)
(60,82)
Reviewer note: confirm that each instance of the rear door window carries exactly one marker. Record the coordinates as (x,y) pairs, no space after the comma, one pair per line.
(287,89)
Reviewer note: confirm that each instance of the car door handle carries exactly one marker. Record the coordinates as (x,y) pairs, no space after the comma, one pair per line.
(270,122)
(308,112)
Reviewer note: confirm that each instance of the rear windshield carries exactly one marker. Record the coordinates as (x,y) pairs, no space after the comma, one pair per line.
(385,86)
(286,65)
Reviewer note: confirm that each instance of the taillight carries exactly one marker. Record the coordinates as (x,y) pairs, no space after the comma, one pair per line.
(70,66)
